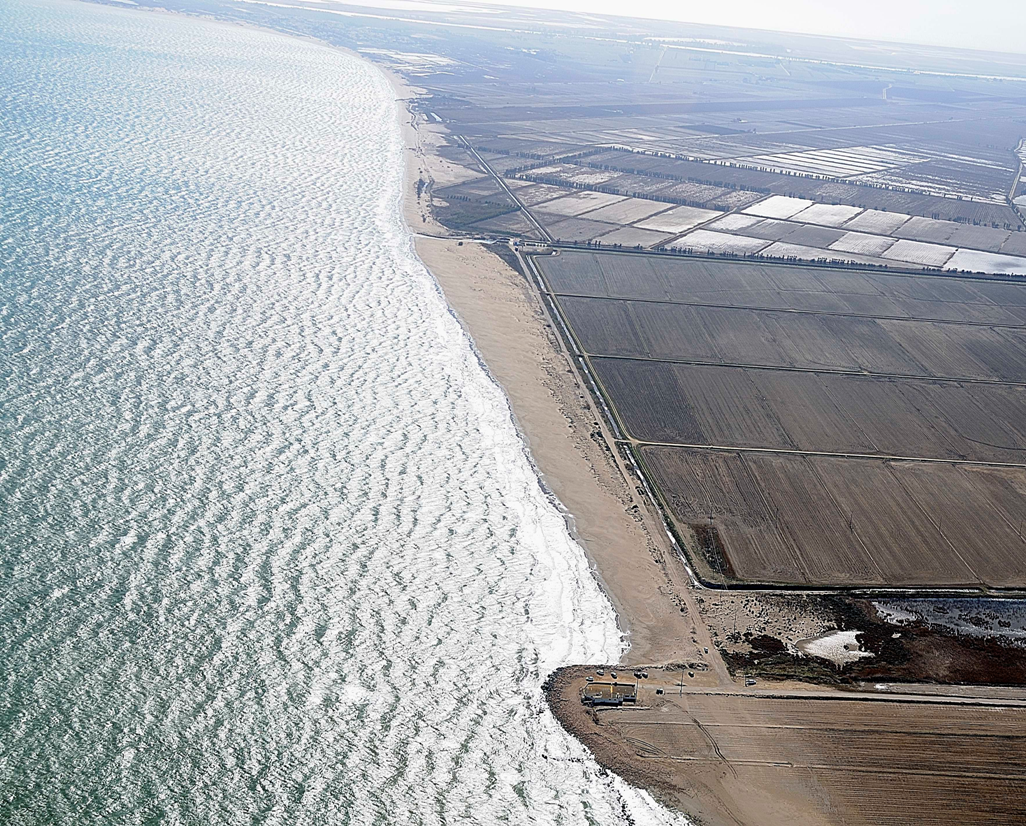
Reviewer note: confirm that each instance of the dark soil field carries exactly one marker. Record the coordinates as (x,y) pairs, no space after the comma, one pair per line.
(814,426)
(817,412)
(820,520)
(805,340)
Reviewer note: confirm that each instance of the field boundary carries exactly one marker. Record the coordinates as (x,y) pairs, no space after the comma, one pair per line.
(703,570)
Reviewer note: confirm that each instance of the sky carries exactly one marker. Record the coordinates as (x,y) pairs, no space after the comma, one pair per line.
(994,25)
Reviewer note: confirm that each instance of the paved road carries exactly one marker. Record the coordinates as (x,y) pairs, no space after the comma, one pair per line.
(498,178)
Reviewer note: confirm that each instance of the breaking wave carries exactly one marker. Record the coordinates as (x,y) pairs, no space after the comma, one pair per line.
(273,551)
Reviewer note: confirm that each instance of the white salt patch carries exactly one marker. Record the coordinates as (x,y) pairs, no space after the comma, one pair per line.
(703,240)
(736,221)
(877,221)
(626,211)
(678,219)
(827,215)
(840,647)
(928,229)
(778,206)
(990,262)
(863,244)
(781,249)
(919,252)
(579,202)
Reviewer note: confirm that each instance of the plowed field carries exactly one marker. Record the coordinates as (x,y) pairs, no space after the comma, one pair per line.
(832,427)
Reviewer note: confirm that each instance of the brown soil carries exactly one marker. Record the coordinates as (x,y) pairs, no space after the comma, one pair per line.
(787,756)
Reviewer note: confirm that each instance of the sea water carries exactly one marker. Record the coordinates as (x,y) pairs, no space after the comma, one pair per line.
(271,548)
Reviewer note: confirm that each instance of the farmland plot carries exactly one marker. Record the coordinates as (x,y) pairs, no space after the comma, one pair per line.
(829,521)
(577,203)
(788,251)
(605,326)
(573,229)
(979,238)
(837,163)
(735,222)
(700,484)
(778,206)
(1016,243)
(627,211)
(862,244)
(917,252)
(973,261)
(827,215)
(889,763)
(899,531)
(956,500)
(704,405)
(533,194)
(807,341)
(702,240)
(813,236)
(678,219)
(926,229)
(692,405)
(633,237)
(749,283)
(768,228)
(875,221)
(834,429)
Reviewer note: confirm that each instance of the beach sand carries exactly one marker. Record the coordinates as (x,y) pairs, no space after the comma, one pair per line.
(504,316)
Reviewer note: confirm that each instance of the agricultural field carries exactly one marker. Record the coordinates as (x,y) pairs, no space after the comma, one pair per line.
(832,426)
(784,758)
(698,404)
(795,216)
(863,148)
(633,237)
(678,219)
(573,229)
(577,203)
(653,114)
(808,231)
(832,521)
(703,240)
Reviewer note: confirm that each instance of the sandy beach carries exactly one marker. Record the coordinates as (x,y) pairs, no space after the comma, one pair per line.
(508,324)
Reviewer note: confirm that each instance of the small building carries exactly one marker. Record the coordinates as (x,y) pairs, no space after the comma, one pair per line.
(609,694)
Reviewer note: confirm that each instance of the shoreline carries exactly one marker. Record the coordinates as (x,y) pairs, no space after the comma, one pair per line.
(513,336)
(622,536)
(718,746)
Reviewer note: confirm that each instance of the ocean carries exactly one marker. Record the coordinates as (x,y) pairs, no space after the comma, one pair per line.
(272,550)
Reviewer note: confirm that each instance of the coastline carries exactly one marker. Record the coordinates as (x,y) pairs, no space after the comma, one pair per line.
(608,514)
(508,325)
(729,759)
(717,749)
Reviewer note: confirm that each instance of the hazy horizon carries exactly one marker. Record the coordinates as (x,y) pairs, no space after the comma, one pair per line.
(918,22)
